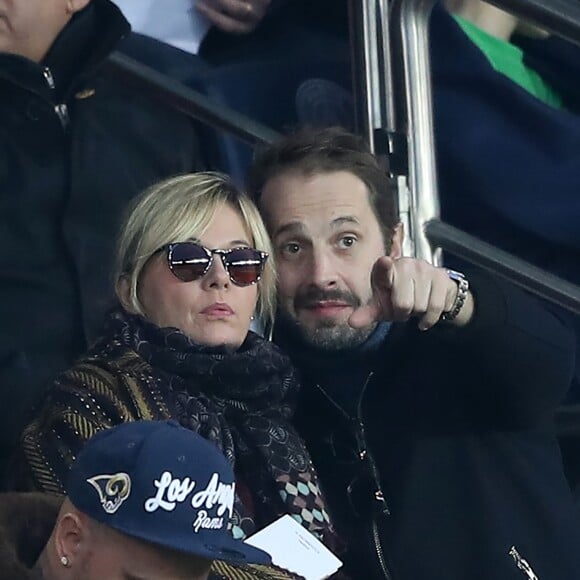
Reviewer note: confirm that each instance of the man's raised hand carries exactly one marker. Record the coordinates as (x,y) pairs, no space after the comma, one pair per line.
(407,287)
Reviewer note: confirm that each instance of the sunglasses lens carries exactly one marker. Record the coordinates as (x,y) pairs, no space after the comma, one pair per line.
(245,265)
(188,261)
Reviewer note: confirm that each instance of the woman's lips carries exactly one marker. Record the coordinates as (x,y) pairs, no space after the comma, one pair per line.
(218,309)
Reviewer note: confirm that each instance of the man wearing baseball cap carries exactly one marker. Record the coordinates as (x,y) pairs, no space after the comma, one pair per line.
(147,500)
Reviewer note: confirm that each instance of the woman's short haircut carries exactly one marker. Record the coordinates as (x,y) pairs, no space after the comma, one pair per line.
(177,210)
(312,151)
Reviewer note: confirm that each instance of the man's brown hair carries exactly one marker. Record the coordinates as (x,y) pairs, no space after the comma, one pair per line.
(314,151)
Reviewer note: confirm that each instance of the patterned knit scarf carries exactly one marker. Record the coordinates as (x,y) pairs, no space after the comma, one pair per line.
(242,401)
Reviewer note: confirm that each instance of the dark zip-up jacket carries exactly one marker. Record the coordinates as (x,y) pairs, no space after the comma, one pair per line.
(448,457)
(75,146)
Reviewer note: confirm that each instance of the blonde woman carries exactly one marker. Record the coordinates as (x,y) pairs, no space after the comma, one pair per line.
(194,265)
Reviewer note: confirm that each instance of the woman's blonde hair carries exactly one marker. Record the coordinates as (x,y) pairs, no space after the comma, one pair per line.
(177,210)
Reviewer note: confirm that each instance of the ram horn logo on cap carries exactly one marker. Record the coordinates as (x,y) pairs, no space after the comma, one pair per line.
(113,490)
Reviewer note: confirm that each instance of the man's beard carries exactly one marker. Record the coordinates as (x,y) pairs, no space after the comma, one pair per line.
(328,334)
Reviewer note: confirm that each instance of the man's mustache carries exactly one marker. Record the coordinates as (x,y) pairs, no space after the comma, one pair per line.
(311,297)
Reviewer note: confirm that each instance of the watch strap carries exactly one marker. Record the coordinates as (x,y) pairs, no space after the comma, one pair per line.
(460,298)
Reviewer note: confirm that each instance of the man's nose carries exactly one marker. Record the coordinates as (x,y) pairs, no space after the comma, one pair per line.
(323,269)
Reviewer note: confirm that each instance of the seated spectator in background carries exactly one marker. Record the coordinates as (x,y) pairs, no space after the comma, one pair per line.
(192,268)
(185,23)
(119,519)
(428,396)
(225,32)
(510,177)
(251,59)
(75,147)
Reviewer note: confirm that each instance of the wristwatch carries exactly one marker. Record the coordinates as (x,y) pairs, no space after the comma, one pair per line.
(462,290)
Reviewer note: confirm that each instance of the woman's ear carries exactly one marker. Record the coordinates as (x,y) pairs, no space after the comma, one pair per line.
(123,289)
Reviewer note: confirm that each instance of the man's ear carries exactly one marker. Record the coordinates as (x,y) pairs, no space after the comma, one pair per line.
(397,242)
(72,537)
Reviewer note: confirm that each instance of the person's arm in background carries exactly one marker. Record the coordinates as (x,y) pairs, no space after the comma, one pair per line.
(234,16)
(485,16)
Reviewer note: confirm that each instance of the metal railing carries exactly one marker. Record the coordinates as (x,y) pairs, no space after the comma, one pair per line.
(532,278)
(189,101)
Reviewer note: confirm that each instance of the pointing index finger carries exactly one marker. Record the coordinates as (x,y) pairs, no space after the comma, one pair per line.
(383,274)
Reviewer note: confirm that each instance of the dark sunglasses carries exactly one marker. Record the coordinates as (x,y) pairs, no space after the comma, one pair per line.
(189,261)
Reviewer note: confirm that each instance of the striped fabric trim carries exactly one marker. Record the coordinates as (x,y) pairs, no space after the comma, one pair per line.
(224,571)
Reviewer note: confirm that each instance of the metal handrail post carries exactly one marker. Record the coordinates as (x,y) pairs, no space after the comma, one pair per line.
(372,67)
(411,17)
(378,119)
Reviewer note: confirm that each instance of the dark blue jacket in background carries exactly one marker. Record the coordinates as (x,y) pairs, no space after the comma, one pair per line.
(508,164)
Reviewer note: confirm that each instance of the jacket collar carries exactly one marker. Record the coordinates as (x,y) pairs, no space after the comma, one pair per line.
(82,46)
(310,359)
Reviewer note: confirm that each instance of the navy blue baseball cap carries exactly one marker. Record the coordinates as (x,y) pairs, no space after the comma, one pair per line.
(159,482)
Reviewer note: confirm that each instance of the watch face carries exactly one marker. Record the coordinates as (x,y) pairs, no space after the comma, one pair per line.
(454,275)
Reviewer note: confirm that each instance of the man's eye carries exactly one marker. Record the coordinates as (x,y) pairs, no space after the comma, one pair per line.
(347,241)
(290,248)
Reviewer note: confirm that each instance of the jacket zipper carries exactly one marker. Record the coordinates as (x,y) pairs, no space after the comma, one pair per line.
(62,114)
(379,550)
(48,77)
(61,109)
(379,496)
(359,432)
